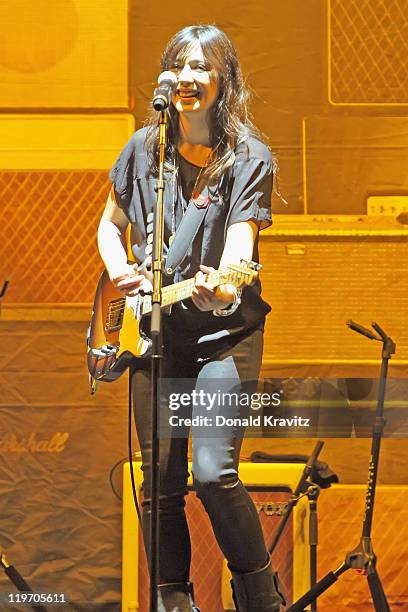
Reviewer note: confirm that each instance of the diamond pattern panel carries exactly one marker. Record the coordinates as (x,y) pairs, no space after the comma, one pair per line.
(49,221)
(207,560)
(369,51)
(340,520)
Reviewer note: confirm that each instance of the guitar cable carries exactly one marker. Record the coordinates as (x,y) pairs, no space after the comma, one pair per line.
(132,475)
(131,455)
(115,491)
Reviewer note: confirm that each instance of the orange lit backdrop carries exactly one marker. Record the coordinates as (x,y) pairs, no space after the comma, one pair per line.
(330,92)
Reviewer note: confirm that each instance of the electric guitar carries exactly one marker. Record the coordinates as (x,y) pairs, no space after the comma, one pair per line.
(115,337)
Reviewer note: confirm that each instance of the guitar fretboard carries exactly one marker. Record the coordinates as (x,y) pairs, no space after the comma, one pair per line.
(183,290)
(171,295)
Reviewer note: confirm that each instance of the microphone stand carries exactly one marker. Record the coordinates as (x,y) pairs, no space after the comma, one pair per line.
(301,489)
(362,558)
(156,357)
(312,491)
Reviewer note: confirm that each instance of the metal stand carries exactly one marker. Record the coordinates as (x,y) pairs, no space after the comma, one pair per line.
(17,579)
(362,557)
(300,490)
(156,335)
(312,491)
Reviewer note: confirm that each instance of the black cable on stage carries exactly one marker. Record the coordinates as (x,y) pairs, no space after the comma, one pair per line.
(112,486)
(132,475)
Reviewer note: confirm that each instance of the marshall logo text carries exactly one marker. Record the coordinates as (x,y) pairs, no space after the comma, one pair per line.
(34,443)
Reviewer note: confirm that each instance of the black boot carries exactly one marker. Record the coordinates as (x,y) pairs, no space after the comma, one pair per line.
(176,597)
(257,591)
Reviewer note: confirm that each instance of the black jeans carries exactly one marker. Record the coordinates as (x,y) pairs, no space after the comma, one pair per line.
(232,513)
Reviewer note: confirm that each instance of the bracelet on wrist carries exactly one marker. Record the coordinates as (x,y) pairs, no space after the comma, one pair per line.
(231,308)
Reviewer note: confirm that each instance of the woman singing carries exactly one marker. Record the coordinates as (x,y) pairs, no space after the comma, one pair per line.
(215,160)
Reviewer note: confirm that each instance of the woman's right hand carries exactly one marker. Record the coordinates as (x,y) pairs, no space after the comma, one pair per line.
(128,281)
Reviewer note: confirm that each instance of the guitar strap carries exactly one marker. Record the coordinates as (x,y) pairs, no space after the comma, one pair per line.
(186,232)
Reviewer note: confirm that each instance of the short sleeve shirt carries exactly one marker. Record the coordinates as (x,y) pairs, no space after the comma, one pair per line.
(242,194)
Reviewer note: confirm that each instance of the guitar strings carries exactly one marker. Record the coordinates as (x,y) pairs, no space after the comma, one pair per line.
(183,287)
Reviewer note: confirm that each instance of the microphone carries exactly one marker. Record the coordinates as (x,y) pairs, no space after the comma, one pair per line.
(162,94)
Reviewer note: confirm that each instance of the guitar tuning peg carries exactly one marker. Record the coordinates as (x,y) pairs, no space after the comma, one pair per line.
(253,265)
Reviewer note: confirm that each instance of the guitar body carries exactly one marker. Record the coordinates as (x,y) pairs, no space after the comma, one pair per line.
(114,335)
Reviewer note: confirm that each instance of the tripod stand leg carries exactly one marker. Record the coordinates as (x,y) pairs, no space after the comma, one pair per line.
(377,592)
(317,590)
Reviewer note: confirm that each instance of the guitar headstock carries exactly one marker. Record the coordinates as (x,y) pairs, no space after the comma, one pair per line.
(244,273)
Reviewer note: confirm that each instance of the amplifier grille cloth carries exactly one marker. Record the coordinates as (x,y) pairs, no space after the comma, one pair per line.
(207,558)
(369,51)
(49,221)
(313,295)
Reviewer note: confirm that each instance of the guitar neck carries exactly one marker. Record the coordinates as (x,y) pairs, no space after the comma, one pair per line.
(177,292)
(184,289)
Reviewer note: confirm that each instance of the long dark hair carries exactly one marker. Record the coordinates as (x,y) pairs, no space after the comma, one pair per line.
(229,118)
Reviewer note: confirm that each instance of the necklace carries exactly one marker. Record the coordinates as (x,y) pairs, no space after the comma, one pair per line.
(199,200)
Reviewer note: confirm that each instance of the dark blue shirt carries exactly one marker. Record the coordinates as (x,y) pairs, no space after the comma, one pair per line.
(243,194)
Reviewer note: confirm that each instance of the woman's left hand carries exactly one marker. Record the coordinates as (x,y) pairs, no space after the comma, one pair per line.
(205,297)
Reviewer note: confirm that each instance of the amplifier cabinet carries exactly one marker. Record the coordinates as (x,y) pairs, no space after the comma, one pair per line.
(269,484)
(318,273)
(53,188)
